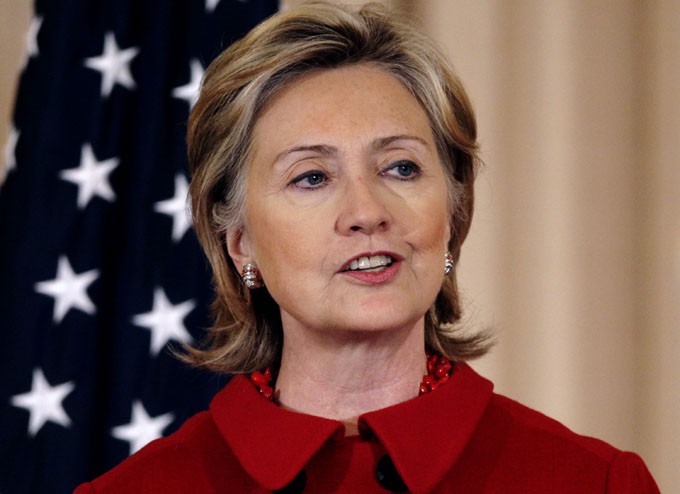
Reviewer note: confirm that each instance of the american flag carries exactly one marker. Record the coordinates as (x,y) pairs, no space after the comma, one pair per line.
(100,272)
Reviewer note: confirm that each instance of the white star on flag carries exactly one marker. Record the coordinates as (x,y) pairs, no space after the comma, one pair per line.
(91,177)
(32,49)
(10,150)
(114,65)
(177,208)
(165,321)
(210,5)
(68,289)
(142,429)
(44,402)
(189,92)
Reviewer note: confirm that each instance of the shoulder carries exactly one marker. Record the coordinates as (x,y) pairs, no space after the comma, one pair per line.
(528,439)
(539,430)
(186,461)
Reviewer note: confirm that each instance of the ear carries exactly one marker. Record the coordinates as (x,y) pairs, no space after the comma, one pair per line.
(239,247)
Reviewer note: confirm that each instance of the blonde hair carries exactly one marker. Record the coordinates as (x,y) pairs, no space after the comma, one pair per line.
(247,333)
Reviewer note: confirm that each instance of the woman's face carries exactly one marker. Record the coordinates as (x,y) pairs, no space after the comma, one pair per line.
(346,204)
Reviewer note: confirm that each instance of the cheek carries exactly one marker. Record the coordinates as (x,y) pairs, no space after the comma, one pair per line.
(430,241)
(283,247)
(431,222)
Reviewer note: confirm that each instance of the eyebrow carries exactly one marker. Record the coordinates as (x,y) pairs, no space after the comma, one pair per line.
(322,149)
(383,142)
(327,150)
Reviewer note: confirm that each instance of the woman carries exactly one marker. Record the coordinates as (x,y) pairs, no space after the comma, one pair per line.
(333,154)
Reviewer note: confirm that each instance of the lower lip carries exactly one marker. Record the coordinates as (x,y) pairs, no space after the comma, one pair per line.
(375,277)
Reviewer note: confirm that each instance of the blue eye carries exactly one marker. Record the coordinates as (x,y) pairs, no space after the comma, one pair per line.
(310,180)
(402,170)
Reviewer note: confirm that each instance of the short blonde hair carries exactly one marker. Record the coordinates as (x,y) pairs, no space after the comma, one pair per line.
(247,333)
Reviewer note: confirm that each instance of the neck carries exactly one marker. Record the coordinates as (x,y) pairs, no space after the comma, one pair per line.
(346,377)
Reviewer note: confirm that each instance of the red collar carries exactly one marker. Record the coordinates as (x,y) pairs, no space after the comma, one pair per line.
(441,421)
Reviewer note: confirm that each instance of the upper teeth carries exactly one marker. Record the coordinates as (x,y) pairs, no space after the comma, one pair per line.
(369,262)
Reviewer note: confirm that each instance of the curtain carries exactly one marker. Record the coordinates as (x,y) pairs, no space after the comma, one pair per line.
(574,254)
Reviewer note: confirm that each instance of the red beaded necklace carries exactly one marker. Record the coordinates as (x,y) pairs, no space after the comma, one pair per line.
(439,370)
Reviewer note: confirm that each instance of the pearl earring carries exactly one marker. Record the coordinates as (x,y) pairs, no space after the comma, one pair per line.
(249,276)
(449,263)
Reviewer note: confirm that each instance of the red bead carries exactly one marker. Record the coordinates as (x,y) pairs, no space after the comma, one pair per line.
(267,392)
(259,379)
(438,372)
(441,371)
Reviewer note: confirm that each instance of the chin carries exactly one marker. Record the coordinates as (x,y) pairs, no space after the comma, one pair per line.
(384,320)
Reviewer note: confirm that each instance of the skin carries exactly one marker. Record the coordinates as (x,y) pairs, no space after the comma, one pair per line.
(345,163)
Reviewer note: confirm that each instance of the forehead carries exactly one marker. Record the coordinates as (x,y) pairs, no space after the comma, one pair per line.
(334,106)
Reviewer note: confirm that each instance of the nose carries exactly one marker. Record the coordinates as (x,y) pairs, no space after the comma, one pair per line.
(363,209)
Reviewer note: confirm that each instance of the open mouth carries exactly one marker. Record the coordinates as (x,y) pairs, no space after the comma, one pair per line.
(370,264)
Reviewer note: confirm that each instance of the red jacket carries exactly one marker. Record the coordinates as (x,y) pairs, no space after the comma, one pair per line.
(460,438)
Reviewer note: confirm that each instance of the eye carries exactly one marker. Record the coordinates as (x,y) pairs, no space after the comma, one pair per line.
(310,180)
(402,170)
